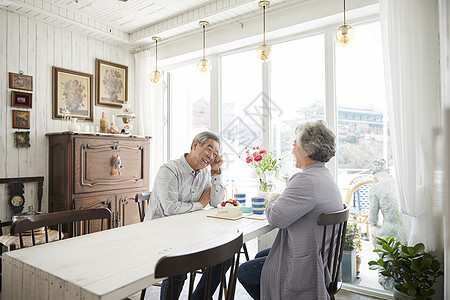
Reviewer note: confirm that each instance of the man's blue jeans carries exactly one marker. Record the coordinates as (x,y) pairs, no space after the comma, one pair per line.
(199,292)
(249,273)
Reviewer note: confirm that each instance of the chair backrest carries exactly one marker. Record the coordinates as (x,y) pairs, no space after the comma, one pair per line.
(359,193)
(74,217)
(337,221)
(142,200)
(169,266)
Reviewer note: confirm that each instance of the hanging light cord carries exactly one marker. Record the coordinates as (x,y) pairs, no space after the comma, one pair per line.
(264,24)
(345,23)
(156,55)
(204,45)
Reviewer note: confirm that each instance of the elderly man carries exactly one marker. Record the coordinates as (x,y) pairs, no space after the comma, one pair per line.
(184,185)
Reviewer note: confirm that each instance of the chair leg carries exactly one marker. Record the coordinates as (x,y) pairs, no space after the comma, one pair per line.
(244,247)
(143,294)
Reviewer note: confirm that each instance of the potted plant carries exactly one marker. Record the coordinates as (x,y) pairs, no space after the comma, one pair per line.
(348,266)
(413,270)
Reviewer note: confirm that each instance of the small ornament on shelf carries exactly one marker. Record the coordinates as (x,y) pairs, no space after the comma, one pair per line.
(117,165)
(103,124)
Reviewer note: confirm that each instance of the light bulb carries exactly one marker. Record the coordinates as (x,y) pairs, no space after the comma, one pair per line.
(203,65)
(154,77)
(264,53)
(345,35)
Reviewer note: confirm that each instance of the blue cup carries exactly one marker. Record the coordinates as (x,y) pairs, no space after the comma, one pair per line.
(240,198)
(258,205)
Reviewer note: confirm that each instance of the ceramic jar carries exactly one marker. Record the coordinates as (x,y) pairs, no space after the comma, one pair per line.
(73,126)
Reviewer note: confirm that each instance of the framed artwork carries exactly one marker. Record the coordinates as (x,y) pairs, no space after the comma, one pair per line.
(111,83)
(20,82)
(21,119)
(22,139)
(72,94)
(21,99)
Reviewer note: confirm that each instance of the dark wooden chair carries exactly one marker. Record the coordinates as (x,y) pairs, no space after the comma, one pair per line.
(337,222)
(74,217)
(142,200)
(170,266)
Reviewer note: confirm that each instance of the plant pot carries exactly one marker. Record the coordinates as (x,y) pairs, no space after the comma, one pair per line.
(348,266)
(402,296)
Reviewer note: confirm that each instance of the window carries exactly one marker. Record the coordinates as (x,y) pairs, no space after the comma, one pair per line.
(360,91)
(241,106)
(298,92)
(189,104)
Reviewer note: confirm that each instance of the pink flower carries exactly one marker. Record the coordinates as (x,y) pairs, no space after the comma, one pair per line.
(263,151)
(258,157)
(254,154)
(248,159)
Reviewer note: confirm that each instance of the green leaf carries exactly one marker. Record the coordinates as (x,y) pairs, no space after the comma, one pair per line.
(411,292)
(426,263)
(387,248)
(419,248)
(411,250)
(415,265)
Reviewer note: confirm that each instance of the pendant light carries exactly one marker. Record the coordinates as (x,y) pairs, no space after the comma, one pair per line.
(264,52)
(345,34)
(203,64)
(155,74)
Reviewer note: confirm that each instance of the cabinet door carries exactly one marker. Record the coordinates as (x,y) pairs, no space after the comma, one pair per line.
(97,202)
(94,164)
(128,210)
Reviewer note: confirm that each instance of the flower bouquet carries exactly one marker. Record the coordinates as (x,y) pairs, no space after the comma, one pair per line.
(265,166)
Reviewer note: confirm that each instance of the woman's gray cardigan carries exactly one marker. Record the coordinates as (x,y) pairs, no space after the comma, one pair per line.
(294,268)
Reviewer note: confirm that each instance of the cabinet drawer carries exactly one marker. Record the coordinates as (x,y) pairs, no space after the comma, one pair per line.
(97,202)
(94,162)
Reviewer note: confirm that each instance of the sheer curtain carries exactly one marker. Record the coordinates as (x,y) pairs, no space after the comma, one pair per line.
(410,48)
(149,109)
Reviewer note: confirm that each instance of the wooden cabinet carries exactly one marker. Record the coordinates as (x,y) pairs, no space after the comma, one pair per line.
(81,168)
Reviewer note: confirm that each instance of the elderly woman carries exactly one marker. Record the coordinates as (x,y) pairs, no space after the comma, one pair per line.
(293,268)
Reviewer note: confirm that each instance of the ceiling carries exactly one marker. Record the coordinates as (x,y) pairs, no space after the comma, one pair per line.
(131,24)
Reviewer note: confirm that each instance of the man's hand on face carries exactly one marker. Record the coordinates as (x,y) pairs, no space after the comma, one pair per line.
(205,198)
(217,163)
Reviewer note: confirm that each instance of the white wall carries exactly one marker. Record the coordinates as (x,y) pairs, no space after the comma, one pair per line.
(35,47)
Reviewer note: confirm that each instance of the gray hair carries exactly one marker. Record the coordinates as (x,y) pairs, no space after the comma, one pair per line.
(202,137)
(317,140)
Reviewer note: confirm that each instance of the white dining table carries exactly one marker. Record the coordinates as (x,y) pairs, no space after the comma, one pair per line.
(115,263)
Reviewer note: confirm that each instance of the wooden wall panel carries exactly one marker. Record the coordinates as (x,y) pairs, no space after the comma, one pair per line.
(34,47)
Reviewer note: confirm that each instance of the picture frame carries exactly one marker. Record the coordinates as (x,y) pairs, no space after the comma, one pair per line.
(72,94)
(21,99)
(22,139)
(21,119)
(111,83)
(20,82)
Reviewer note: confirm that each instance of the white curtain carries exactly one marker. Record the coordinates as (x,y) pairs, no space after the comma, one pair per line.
(410,48)
(149,109)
